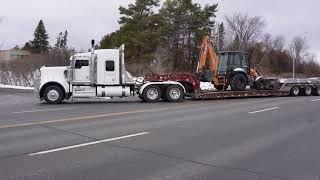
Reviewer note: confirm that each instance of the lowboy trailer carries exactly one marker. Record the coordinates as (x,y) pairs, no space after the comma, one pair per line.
(277,87)
(102,73)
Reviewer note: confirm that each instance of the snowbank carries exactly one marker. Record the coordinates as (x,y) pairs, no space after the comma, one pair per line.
(207,86)
(15,87)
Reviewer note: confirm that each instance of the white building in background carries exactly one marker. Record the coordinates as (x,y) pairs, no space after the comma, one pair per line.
(10,55)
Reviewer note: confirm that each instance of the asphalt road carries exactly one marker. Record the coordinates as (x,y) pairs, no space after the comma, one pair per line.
(236,139)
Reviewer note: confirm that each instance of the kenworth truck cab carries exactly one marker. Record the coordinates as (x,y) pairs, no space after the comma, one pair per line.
(100,73)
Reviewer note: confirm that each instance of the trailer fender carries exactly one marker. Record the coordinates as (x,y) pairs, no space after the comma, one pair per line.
(161,83)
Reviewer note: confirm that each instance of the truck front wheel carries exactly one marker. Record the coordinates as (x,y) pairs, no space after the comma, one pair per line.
(53,95)
(151,94)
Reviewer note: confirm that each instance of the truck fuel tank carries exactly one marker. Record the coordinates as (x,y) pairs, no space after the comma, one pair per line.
(113,91)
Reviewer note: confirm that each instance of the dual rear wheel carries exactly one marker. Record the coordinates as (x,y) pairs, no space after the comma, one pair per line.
(172,93)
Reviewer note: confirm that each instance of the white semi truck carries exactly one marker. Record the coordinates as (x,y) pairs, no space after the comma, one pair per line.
(102,73)
(99,73)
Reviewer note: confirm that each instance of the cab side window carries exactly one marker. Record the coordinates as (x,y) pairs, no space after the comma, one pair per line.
(109,65)
(80,63)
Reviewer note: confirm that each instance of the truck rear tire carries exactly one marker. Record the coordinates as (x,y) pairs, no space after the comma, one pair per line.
(307,91)
(238,82)
(295,91)
(174,93)
(151,94)
(53,94)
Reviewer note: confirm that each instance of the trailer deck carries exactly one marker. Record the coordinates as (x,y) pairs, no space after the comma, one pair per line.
(206,95)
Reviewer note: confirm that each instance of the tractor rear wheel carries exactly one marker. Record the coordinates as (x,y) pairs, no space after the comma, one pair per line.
(238,82)
(174,93)
(151,94)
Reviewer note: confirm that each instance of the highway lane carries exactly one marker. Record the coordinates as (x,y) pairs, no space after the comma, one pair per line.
(260,138)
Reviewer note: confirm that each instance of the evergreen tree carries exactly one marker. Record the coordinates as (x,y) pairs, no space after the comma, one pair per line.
(62,40)
(40,42)
(186,24)
(172,35)
(139,31)
(16,47)
(27,46)
(58,43)
(221,34)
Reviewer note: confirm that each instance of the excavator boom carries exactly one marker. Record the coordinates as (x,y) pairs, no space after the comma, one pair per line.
(207,53)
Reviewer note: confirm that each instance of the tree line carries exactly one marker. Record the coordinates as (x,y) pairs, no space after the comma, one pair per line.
(167,37)
(22,72)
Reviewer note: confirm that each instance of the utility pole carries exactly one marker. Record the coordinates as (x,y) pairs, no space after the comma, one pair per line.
(293,67)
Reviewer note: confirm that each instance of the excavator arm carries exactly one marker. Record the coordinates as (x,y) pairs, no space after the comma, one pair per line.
(207,53)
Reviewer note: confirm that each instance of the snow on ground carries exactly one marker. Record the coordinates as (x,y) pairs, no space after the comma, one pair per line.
(138,80)
(207,86)
(15,87)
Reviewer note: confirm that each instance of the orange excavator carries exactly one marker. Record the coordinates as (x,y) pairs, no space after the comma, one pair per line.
(229,68)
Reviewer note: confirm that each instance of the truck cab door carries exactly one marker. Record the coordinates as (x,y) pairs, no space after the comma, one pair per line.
(81,71)
(111,72)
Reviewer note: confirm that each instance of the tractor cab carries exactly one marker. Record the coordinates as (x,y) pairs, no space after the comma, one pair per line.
(233,61)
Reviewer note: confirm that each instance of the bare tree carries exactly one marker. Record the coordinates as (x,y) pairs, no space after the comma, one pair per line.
(247,29)
(278,43)
(267,41)
(298,47)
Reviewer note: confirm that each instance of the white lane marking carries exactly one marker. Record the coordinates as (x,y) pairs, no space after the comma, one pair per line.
(315,100)
(43,110)
(263,110)
(87,144)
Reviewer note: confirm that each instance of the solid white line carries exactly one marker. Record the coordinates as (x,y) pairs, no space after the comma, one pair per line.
(87,144)
(315,100)
(43,110)
(264,110)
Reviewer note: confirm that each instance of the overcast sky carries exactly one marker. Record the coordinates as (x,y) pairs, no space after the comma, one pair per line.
(92,19)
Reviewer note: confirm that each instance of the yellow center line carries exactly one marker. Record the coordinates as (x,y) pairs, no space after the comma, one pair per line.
(89,117)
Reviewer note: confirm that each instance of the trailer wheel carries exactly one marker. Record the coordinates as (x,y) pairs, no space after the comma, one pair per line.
(307,91)
(238,82)
(174,93)
(295,91)
(151,94)
(317,91)
(53,94)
